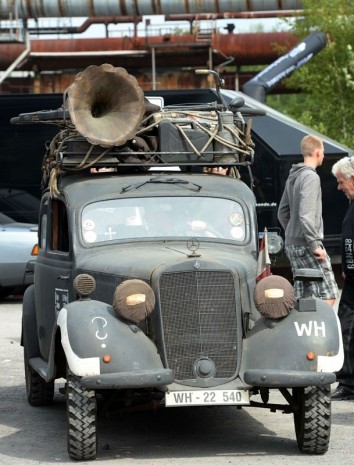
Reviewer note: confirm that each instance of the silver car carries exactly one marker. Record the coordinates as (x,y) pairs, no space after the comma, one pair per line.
(17,255)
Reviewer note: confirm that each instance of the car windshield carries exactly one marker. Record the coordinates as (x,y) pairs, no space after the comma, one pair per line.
(155,217)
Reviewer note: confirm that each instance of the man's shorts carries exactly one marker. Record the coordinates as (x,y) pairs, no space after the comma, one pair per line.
(302,257)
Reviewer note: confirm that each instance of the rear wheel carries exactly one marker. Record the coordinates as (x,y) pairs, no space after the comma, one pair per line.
(81,418)
(38,391)
(313,418)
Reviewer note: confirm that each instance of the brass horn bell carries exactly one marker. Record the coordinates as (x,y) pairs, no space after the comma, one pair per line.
(106,105)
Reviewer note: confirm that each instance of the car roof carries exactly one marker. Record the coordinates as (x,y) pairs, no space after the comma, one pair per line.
(78,189)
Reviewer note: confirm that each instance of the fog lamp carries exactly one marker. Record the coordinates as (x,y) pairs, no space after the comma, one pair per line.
(133,300)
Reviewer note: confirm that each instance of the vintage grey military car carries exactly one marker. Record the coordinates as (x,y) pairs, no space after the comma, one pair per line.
(145,281)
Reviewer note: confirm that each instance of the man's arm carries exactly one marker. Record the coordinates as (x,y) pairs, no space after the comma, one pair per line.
(310,214)
(284,209)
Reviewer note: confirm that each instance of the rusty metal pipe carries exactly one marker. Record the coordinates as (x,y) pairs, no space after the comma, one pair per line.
(94,8)
(248,49)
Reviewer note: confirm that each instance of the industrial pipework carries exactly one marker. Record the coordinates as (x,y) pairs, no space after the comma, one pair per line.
(95,8)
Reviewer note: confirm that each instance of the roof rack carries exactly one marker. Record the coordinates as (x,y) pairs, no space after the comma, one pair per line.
(107,122)
(169,142)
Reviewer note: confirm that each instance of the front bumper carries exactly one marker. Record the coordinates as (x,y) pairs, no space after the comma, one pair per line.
(125,380)
(290,378)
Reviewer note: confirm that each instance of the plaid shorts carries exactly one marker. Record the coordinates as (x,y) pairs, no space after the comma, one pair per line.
(302,257)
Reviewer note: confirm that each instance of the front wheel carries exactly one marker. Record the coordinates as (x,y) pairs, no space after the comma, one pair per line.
(81,409)
(313,418)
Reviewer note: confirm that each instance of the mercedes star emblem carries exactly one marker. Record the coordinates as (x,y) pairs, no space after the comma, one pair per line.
(193,244)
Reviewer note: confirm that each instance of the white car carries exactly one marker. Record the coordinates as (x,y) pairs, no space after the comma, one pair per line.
(17,254)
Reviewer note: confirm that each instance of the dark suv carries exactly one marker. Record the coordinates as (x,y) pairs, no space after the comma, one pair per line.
(145,281)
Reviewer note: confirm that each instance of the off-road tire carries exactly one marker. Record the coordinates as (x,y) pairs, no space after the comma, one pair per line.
(39,392)
(81,410)
(313,418)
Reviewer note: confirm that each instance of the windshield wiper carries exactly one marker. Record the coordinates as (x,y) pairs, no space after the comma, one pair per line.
(182,182)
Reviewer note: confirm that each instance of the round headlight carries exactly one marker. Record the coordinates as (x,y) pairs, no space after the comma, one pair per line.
(274,297)
(275,243)
(133,300)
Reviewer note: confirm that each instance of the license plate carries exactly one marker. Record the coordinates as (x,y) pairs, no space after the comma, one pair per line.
(207,397)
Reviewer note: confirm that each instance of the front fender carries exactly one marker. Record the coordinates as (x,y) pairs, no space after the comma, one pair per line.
(29,324)
(285,345)
(97,342)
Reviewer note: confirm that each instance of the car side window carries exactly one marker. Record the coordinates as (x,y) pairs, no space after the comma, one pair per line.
(43,225)
(59,233)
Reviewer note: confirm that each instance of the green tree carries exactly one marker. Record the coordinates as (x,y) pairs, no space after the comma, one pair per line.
(326,101)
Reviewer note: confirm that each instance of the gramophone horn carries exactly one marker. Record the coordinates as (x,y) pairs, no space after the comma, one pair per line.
(106,105)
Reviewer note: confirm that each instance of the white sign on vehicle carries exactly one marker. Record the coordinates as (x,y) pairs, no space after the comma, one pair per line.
(207,397)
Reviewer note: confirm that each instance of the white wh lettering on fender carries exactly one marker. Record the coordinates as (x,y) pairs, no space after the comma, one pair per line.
(312,328)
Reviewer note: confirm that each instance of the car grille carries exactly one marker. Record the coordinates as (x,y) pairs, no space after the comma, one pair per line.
(199,320)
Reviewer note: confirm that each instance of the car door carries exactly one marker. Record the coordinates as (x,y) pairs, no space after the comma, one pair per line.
(53,272)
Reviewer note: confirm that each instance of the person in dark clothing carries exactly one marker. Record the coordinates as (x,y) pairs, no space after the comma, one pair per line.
(300,214)
(343,170)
